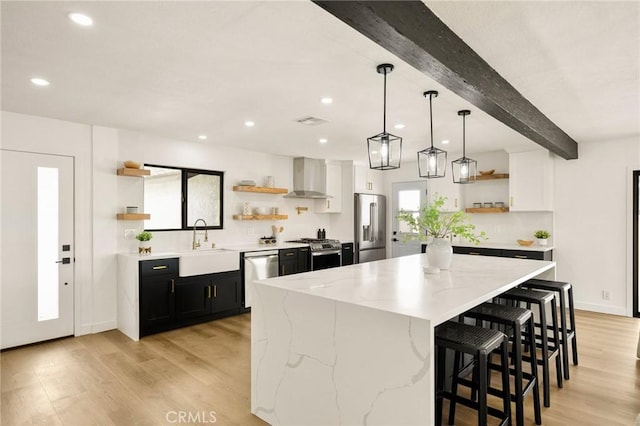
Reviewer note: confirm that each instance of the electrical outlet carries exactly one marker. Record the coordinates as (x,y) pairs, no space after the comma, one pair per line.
(129,234)
(606,295)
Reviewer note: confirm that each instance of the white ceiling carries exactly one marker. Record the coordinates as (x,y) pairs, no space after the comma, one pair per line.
(180,69)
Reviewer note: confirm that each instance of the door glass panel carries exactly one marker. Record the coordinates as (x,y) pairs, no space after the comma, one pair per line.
(48,241)
(409,201)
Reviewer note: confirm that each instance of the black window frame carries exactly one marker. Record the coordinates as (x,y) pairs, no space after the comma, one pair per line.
(184,201)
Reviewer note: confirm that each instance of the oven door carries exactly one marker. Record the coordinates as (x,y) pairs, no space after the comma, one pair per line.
(325,259)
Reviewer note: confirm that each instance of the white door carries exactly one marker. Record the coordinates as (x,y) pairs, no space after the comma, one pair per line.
(37,247)
(411,197)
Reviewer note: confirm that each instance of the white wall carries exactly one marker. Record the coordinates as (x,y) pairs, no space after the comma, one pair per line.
(592,211)
(238,165)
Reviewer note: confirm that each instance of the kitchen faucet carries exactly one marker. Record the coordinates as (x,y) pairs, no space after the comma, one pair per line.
(194,244)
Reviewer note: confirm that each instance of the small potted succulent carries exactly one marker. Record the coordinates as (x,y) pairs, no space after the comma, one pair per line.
(145,246)
(542,236)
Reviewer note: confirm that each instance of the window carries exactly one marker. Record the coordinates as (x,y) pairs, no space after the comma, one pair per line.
(177,197)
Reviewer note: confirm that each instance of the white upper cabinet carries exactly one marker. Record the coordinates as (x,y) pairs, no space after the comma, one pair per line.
(445,187)
(531,181)
(367,181)
(333,188)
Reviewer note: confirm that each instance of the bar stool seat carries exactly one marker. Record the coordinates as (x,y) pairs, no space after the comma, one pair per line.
(567,333)
(516,320)
(478,342)
(549,351)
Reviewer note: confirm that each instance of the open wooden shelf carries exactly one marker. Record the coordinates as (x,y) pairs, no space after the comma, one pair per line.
(260,217)
(493,176)
(133,172)
(133,216)
(260,189)
(488,210)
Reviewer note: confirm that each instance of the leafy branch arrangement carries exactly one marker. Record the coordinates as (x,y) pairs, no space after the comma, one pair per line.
(433,222)
(144,236)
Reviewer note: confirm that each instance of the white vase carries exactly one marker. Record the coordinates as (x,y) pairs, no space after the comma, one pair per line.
(542,241)
(144,247)
(439,253)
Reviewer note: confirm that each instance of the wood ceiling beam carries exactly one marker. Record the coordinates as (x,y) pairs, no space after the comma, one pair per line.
(411,31)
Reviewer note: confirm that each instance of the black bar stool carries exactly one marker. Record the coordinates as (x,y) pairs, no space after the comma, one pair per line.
(541,299)
(478,342)
(568,334)
(516,320)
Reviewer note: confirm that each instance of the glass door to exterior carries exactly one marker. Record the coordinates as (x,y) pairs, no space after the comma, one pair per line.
(37,247)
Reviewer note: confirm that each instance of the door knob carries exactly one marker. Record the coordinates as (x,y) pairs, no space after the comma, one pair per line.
(64,261)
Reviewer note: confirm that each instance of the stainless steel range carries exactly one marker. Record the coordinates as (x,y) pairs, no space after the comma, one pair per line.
(324,253)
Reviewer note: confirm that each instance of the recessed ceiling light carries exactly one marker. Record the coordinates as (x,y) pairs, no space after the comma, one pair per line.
(81,19)
(39,81)
(323,140)
(445,141)
(399,126)
(202,137)
(326,100)
(249,123)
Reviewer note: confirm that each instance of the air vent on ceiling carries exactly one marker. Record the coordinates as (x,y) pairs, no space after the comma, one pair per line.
(311,121)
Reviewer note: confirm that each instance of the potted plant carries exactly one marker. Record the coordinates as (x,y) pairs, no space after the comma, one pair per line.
(542,236)
(145,246)
(433,222)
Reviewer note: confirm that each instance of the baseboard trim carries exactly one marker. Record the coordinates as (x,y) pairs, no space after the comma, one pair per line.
(104,326)
(603,309)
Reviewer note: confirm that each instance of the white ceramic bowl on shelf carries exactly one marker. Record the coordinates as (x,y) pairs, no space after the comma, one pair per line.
(261,211)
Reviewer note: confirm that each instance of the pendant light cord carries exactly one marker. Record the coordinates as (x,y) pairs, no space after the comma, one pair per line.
(464,155)
(431,117)
(384,105)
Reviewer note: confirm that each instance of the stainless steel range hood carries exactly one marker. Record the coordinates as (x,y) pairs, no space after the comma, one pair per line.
(309,179)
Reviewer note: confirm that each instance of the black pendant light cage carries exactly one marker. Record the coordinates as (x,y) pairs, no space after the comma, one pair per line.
(384,148)
(464,169)
(432,162)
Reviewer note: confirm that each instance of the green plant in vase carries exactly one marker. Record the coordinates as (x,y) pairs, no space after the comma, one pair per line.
(433,222)
(542,236)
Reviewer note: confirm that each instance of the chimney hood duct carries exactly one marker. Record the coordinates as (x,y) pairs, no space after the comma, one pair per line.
(309,179)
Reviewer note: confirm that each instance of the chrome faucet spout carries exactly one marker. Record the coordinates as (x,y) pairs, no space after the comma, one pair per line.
(195,244)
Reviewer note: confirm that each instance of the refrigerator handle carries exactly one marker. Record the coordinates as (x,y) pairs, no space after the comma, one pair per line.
(373,215)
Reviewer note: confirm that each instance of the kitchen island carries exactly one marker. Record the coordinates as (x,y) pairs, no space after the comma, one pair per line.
(354,345)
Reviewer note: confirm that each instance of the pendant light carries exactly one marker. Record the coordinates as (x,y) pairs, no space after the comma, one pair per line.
(464,169)
(384,148)
(432,162)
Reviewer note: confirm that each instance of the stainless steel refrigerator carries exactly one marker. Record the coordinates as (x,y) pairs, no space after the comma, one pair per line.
(370,227)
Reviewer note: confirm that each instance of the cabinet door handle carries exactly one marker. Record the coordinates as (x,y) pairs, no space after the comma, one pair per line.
(456,203)
(290,254)
(208,292)
(155,268)
(215,290)
(173,286)
(510,201)
(328,204)
(520,256)
(475,253)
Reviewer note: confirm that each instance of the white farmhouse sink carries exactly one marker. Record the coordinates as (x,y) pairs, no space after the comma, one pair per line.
(199,262)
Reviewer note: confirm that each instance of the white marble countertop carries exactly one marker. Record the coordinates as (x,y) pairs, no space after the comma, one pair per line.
(238,248)
(506,246)
(262,247)
(399,285)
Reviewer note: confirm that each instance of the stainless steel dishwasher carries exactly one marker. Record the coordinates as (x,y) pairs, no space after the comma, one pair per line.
(258,265)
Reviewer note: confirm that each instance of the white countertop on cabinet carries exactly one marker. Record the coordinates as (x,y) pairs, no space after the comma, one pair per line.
(504,246)
(399,285)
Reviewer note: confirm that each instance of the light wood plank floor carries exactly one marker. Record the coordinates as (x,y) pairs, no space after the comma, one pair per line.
(107,379)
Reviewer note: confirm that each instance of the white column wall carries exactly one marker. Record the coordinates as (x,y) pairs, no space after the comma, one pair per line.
(592,226)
